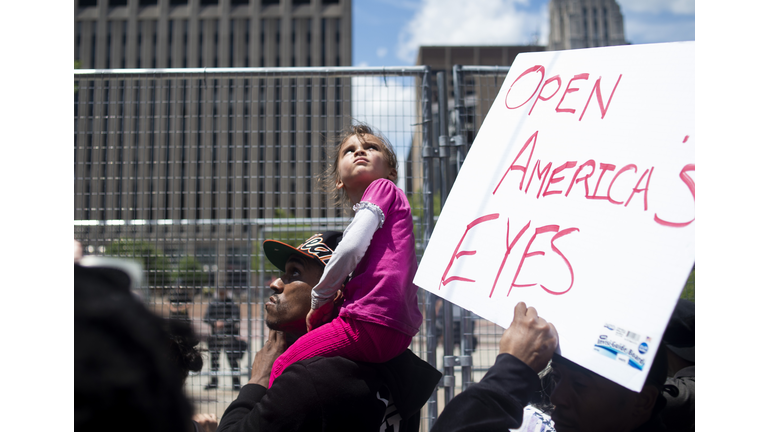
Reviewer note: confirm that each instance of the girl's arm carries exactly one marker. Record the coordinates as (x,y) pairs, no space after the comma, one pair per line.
(350,250)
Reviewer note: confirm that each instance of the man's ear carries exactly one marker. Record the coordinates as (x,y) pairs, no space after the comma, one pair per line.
(643,405)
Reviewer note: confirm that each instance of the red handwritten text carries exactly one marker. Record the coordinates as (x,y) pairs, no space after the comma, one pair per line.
(508,248)
(563,106)
(547,180)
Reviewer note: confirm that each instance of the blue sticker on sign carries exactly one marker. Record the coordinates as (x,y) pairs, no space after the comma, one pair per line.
(619,344)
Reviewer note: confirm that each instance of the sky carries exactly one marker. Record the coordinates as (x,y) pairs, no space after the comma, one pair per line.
(389,32)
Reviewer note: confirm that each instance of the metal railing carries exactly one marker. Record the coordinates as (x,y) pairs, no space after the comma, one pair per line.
(189,170)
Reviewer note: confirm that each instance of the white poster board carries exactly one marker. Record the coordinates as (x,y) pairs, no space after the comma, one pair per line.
(577,197)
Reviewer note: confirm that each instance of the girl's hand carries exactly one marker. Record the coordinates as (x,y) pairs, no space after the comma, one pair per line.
(319,316)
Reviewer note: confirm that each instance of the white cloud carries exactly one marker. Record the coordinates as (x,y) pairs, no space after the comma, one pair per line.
(478,22)
(388,105)
(639,31)
(381,52)
(679,7)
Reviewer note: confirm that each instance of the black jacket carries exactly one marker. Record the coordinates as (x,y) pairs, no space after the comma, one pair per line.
(336,394)
(223,310)
(495,403)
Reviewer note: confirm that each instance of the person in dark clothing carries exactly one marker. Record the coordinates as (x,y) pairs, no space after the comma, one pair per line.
(186,356)
(497,401)
(323,393)
(124,378)
(180,298)
(223,315)
(680,387)
(583,400)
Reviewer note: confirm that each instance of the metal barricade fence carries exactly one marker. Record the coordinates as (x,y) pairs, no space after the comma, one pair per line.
(189,170)
(474,90)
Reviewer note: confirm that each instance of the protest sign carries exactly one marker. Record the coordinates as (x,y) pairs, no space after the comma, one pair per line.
(577,197)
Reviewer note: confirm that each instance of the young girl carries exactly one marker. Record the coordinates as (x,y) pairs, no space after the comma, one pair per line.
(380,314)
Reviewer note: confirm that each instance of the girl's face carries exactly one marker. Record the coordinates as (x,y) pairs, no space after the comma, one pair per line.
(360,163)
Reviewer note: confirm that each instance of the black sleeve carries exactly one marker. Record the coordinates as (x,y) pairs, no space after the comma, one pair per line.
(318,394)
(237,415)
(495,403)
(282,408)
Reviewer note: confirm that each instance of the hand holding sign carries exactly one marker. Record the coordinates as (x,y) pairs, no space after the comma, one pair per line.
(530,338)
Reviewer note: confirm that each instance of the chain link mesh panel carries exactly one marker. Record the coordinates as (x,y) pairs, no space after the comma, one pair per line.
(475,89)
(188,171)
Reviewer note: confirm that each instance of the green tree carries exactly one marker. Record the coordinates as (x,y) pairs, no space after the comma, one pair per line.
(689,291)
(416,201)
(190,272)
(155,263)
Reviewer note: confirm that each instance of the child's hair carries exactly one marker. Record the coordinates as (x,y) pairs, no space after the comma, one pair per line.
(331,174)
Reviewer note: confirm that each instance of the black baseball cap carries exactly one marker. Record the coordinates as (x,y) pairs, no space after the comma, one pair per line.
(318,248)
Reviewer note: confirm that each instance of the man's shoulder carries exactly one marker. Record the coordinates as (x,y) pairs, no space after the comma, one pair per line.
(405,363)
(393,391)
(409,378)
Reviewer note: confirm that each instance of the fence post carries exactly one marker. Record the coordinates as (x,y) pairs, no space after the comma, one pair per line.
(428,153)
(445,181)
(249,301)
(459,140)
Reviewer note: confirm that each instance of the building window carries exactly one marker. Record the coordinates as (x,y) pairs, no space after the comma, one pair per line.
(300,2)
(186,43)
(87,3)
(261,50)
(239,2)
(293,42)
(138,47)
(93,45)
(247,43)
(154,43)
(170,43)
(216,46)
(231,43)
(109,45)
(78,36)
(178,2)
(209,2)
(270,2)
(277,42)
(200,30)
(330,2)
(115,3)
(309,42)
(123,44)
(596,32)
(322,41)
(147,2)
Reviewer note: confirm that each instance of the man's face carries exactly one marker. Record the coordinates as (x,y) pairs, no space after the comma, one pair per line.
(588,402)
(288,307)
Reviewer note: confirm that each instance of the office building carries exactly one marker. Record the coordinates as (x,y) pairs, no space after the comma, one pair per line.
(584,24)
(150,153)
